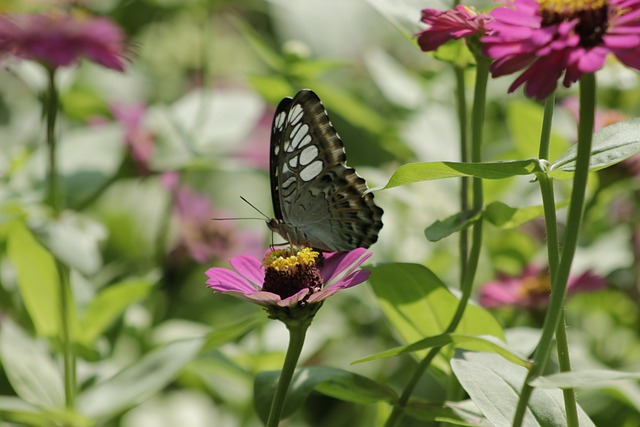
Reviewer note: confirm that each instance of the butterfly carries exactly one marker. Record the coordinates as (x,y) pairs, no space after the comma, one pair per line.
(318,200)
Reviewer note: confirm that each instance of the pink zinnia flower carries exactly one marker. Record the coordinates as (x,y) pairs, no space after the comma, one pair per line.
(532,288)
(202,238)
(291,277)
(59,40)
(450,24)
(551,38)
(138,139)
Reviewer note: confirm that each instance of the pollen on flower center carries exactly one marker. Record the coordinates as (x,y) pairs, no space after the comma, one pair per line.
(592,16)
(539,285)
(288,271)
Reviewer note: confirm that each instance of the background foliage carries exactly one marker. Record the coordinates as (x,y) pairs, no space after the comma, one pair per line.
(155,346)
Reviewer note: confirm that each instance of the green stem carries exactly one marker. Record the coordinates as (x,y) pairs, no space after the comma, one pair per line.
(553,253)
(51,114)
(461,104)
(574,219)
(477,122)
(69,359)
(297,332)
(53,199)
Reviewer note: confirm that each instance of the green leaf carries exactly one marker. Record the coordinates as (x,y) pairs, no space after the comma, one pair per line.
(110,303)
(441,229)
(132,385)
(29,368)
(222,335)
(419,305)
(583,378)
(416,172)
(463,413)
(38,279)
(611,145)
(478,343)
(504,216)
(333,382)
(16,410)
(74,240)
(268,55)
(494,383)
(524,120)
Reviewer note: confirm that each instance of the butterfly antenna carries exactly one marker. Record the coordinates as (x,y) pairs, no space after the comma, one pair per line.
(256,209)
(247,202)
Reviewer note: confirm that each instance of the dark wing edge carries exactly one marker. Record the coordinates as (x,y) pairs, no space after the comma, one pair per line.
(277,135)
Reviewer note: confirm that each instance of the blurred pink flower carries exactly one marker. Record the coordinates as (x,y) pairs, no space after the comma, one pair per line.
(289,277)
(450,24)
(200,236)
(532,288)
(60,40)
(602,118)
(551,38)
(138,139)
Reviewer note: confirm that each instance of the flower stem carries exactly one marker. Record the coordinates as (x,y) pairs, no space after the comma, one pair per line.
(477,121)
(51,110)
(51,114)
(574,219)
(297,332)
(553,254)
(461,104)
(69,359)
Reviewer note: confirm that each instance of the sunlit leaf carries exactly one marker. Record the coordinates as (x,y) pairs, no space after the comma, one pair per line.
(611,145)
(478,343)
(332,382)
(38,279)
(110,303)
(575,379)
(132,385)
(416,172)
(420,306)
(29,367)
(494,384)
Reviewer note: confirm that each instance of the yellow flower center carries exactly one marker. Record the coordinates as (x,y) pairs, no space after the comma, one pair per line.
(536,286)
(288,271)
(566,7)
(289,259)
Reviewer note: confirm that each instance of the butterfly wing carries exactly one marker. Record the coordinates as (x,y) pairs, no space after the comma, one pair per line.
(318,200)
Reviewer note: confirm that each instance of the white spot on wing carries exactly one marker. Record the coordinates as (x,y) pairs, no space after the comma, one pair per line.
(280,120)
(308,154)
(276,150)
(293,162)
(299,133)
(295,114)
(311,171)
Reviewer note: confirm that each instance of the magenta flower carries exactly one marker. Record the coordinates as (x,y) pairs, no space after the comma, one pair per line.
(450,24)
(200,237)
(551,38)
(138,139)
(60,40)
(532,288)
(289,277)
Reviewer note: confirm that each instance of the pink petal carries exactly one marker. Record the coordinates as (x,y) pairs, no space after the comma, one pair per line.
(249,267)
(265,299)
(294,299)
(224,280)
(335,263)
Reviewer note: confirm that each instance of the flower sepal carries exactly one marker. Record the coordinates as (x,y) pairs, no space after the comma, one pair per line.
(296,316)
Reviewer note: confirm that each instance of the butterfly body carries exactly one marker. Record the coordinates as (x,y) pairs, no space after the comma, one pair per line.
(318,200)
